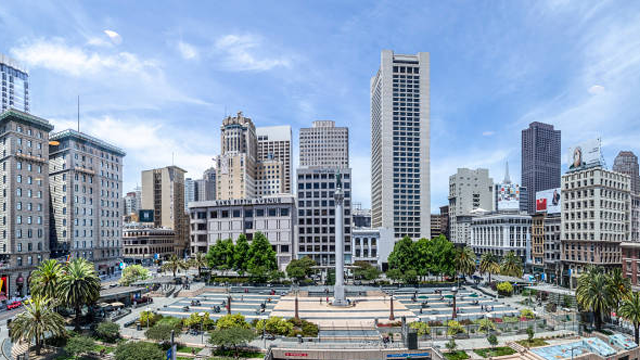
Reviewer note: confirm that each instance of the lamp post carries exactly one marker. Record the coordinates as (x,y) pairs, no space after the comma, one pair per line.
(229,300)
(296,302)
(391,317)
(454,290)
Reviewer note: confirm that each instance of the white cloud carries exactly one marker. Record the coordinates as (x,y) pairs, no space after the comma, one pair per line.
(114,36)
(242,53)
(596,89)
(187,51)
(488,133)
(58,56)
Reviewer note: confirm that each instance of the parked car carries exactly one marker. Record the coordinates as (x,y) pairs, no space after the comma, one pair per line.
(14,305)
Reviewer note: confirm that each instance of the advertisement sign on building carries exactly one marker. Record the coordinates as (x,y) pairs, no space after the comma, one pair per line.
(508,196)
(585,154)
(145,216)
(549,201)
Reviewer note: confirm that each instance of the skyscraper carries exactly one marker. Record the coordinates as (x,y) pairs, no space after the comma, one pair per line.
(627,163)
(324,145)
(24,230)
(133,202)
(541,149)
(210,185)
(400,160)
(469,190)
(163,192)
(14,92)
(236,165)
(85,174)
(274,144)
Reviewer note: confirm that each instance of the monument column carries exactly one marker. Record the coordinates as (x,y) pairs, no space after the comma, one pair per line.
(338,290)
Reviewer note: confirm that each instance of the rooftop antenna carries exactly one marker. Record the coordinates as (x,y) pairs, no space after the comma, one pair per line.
(78,113)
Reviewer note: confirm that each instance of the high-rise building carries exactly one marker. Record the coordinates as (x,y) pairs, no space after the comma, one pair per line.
(209,178)
(163,192)
(469,190)
(190,192)
(236,165)
(507,194)
(324,145)
(270,178)
(24,237)
(316,214)
(541,149)
(361,217)
(400,160)
(274,144)
(627,163)
(444,221)
(85,175)
(436,225)
(14,93)
(132,204)
(595,220)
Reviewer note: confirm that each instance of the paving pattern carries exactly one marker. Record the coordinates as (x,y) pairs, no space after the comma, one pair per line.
(248,305)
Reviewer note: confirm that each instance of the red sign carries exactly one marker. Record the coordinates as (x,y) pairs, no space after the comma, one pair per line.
(541,204)
(296,354)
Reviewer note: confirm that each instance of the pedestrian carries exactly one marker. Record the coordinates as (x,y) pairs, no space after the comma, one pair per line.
(327,299)
(320,301)
(241,298)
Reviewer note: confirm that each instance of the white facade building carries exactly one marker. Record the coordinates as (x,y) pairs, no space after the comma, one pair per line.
(372,245)
(469,190)
(501,233)
(324,145)
(400,141)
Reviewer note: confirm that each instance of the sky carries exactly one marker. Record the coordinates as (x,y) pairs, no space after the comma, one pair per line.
(156,78)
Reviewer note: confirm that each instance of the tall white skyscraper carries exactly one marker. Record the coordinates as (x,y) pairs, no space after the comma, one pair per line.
(14,93)
(274,144)
(324,145)
(400,140)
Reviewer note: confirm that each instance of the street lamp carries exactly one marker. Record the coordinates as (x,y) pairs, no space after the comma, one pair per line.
(454,290)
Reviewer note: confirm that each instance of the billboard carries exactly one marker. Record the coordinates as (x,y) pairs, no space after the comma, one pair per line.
(508,196)
(585,154)
(549,201)
(145,215)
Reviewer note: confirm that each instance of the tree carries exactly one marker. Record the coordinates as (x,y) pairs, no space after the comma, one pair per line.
(410,277)
(530,333)
(45,279)
(630,311)
(465,261)
(139,350)
(220,255)
(451,345)
(274,325)
(511,265)
(39,318)
(593,294)
(300,269)
(159,332)
(262,257)
(422,328)
(489,264)
(202,322)
(148,318)
(403,255)
(231,337)
(108,331)
(79,345)
(505,288)
(485,325)
(618,287)
(240,254)
(174,264)
(493,340)
(364,270)
(232,320)
(133,273)
(443,252)
(79,286)
(198,261)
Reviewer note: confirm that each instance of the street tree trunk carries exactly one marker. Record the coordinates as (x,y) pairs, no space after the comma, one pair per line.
(77,328)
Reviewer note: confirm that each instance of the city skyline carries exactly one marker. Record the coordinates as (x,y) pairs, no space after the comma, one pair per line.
(155,71)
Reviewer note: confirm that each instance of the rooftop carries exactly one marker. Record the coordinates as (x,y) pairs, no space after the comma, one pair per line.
(70,133)
(26,117)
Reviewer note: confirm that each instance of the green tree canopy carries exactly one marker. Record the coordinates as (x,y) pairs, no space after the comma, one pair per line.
(511,265)
(174,264)
(364,270)
(159,332)
(139,350)
(45,280)
(262,257)
(630,311)
(79,345)
(403,255)
(300,269)
(79,286)
(38,319)
(133,273)
(240,254)
(489,264)
(231,321)
(465,261)
(593,293)
(108,331)
(231,337)
(220,256)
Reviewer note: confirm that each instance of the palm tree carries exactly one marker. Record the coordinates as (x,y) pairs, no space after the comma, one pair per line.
(489,264)
(619,287)
(593,294)
(465,261)
(511,265)
(174,264)
(80,286)
(39,318)
(46,278)
(630,310)
(199,261)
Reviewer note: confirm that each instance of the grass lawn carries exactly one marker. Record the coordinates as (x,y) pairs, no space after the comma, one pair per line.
(187,349)
(532,343)
(497,351)
(108,349)
(457,355)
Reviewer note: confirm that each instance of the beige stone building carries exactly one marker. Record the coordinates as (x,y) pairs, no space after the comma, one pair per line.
(163,192)
(595,220)
(469,190)
(236,165)
(274,144)
(143,243)
(270,178)
(24,226)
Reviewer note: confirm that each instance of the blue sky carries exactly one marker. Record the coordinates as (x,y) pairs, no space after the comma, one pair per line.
(155,77)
